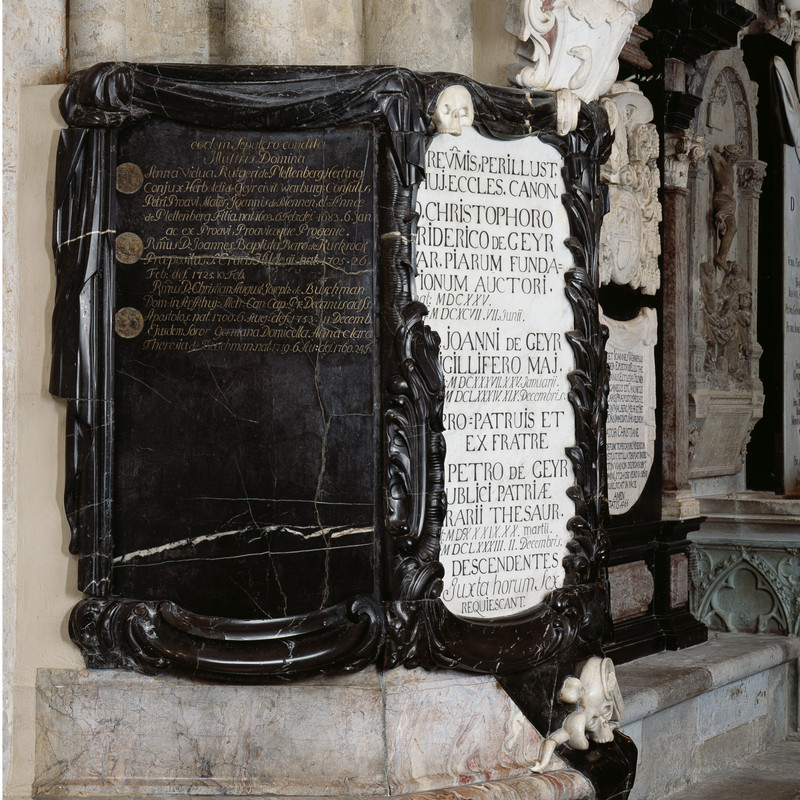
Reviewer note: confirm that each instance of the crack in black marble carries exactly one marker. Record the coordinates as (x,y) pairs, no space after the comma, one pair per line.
(145,384)
(253,599)
(326,420)
(292,501)
(224,401)
(85,508)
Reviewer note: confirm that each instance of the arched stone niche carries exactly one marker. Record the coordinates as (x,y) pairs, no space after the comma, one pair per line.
(725,394)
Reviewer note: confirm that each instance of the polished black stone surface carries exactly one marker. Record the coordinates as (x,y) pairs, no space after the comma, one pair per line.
(246,433)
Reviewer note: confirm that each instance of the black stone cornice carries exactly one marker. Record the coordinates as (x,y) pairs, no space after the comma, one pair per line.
(686,30)
(679,110)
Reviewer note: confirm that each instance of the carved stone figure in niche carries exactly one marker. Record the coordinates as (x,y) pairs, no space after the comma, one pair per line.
(599,710)
(629,240)
(727,314)
(454,110)
(725,393)
(724,198)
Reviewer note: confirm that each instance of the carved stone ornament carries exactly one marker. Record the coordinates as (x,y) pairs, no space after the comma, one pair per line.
(726,396)
(598,712)
(570,45)
(747,588)
(787,25)
(682,149)
(629,241)
(382,605)
(454,110)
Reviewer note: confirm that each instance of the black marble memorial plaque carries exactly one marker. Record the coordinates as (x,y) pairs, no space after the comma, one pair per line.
(246,443)
(256,461)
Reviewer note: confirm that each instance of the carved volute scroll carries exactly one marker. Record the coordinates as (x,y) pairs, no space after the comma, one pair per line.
(570,46)
(726,396)
(394,615)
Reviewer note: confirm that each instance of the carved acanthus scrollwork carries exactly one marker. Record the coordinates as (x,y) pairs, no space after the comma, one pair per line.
(629,241)
(787,26)
(570,44)
(682,149)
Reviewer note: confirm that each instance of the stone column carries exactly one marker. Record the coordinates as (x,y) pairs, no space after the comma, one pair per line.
(678,501)
(680,508)
(310,32)
(96,32)
(419,34)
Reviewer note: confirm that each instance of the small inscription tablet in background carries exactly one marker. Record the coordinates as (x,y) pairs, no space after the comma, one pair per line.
(245,465)
(491,261)
(791,356)
(631,424)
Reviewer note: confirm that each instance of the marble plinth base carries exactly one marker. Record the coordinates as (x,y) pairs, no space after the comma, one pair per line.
(371,734)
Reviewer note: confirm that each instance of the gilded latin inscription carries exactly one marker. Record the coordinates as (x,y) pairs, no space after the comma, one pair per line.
(253,244)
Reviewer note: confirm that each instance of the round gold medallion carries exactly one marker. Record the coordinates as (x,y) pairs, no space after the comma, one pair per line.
(129,178)
(128,323)
(129,248)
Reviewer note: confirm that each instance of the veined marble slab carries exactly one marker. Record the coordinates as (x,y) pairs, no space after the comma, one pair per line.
(370,734)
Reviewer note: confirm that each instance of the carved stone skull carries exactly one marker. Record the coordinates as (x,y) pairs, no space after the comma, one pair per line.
(454,110)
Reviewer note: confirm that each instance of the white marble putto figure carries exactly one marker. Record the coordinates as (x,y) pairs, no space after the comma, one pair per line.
(571,45)
(598,713)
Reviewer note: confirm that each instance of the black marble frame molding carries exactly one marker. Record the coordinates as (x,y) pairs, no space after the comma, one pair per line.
(403,622)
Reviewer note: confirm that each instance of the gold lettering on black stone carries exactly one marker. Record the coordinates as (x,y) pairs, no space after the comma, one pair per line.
(129,178)
(128,323)
(258,244)
(129,248)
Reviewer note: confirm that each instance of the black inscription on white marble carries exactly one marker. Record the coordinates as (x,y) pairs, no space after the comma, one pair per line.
(631,423)
(491,262)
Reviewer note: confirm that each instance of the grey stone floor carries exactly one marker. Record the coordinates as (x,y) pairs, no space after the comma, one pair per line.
(771,775)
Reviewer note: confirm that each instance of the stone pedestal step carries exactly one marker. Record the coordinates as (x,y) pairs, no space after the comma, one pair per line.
(771,775)
(708,708)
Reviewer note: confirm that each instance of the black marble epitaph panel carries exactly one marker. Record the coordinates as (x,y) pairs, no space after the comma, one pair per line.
(255,477)
(246,432)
